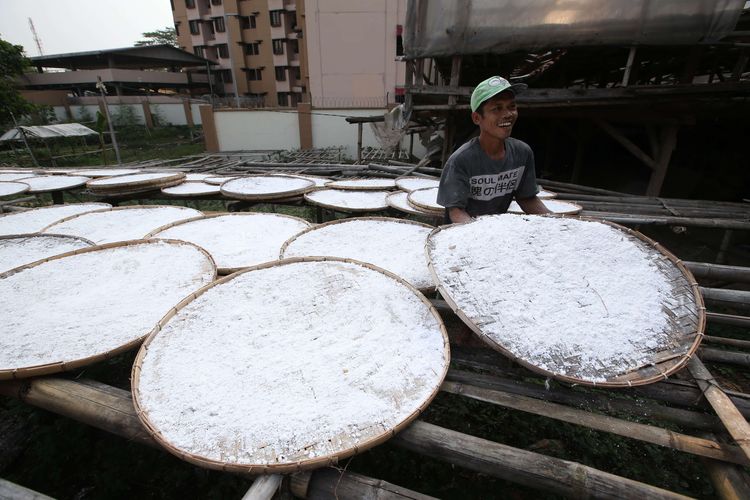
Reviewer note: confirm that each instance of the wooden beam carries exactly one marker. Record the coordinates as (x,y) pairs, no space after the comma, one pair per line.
(647,433)
(733,420)
(627,143)
(667,145)
(530,469)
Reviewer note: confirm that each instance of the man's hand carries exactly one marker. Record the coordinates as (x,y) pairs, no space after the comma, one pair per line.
(458,215)
(533,205)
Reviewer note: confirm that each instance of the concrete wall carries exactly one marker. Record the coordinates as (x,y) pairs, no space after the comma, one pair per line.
(238,130)
(171,111)
(259,130)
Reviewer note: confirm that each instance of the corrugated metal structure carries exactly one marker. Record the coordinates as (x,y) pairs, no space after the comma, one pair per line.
(631,72)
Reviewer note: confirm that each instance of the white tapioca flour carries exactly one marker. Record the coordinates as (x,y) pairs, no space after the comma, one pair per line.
(22,250)
(577,298)
(32,221)
(292,362)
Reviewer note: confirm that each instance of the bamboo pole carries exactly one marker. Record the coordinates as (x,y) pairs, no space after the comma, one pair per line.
(642,432)
(733,420)
(651,201)
(579,188)
(736,298)
(721,356)
(264,487)
(530,469)
(627,219)
(742,344)
(728,319)
(334,484)
(737,274)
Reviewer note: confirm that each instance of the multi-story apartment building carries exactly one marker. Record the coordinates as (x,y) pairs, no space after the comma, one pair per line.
(257,44)
(330,53)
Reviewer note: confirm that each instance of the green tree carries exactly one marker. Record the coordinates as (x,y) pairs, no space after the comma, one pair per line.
(13,62)
(167,36)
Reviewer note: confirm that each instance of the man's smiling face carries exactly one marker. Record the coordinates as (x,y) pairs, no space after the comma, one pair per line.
(497,115)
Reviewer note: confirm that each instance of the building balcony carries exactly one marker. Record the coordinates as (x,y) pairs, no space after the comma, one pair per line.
(63,79)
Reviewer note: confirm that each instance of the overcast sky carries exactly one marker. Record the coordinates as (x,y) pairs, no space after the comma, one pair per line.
(80,25)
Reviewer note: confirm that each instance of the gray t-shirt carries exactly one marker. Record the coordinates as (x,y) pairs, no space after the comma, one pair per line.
(480,185)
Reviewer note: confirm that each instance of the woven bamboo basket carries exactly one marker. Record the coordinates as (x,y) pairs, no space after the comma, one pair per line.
(218,180)
(320,182)
(29,259)
(410,184)
(415,200)
(376,206)
(232,237)
(191,189)
(545,194)
(8,176)
(12,188)
(289,466)
(297,186)
(125,184)
(362,184)
(56,224)
(22,222)
(61,366)
(50,183)
(556,206)
(687,336)
(394,244)
(102,172)
(398,201)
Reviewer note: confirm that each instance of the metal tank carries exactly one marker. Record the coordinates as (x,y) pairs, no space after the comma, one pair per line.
(450,27)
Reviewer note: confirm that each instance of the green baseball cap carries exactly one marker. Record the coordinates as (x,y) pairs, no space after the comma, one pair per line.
(491,87)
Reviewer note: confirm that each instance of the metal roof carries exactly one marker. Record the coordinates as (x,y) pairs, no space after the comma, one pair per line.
(147,56)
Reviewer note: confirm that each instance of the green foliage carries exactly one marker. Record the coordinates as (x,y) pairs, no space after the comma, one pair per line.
(13,63)
(125,116)
(157,116)
(84,115)
(166,36)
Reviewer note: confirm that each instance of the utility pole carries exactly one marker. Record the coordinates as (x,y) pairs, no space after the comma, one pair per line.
(102,89)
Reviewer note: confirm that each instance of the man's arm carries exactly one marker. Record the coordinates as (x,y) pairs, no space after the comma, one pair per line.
(457,214)
(532,205)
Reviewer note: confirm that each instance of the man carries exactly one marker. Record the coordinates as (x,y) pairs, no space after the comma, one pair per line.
(484,175)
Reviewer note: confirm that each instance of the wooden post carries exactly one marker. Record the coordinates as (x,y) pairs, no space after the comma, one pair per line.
(733,420)
(668,143)
(359,143)
(148,118)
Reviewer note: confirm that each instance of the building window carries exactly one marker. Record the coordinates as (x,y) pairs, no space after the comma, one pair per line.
(276,17)
(400,95)
(254,74)
(295,98)
(252,49)
(219,24)
(215,2)
(399,40)
(294,46)
(297,73)
(195,27)
(177,28)
(247,22)
(283,99)
(208,28)
(190,4)
(226,75)
(223,50)
(280,74)
(278,47)
(198,51)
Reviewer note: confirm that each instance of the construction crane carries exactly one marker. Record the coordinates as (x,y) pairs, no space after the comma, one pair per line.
(36,37)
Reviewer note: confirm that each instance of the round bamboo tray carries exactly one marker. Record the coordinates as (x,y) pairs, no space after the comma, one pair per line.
(263,233)
(15,176)
(125,184)
(410,184)
(545,194)
(49,305)
(320,182)
(425,200)
(12,188)
(36,219)
(191,188)
(555,206)
(50,183)
(396,245)
(112,230)
(18,250)
(218,180)
(398,200)
(687,320)
(362,184)
(102,172)
(348,402)
(195,177)
(349,200)
(266,187)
